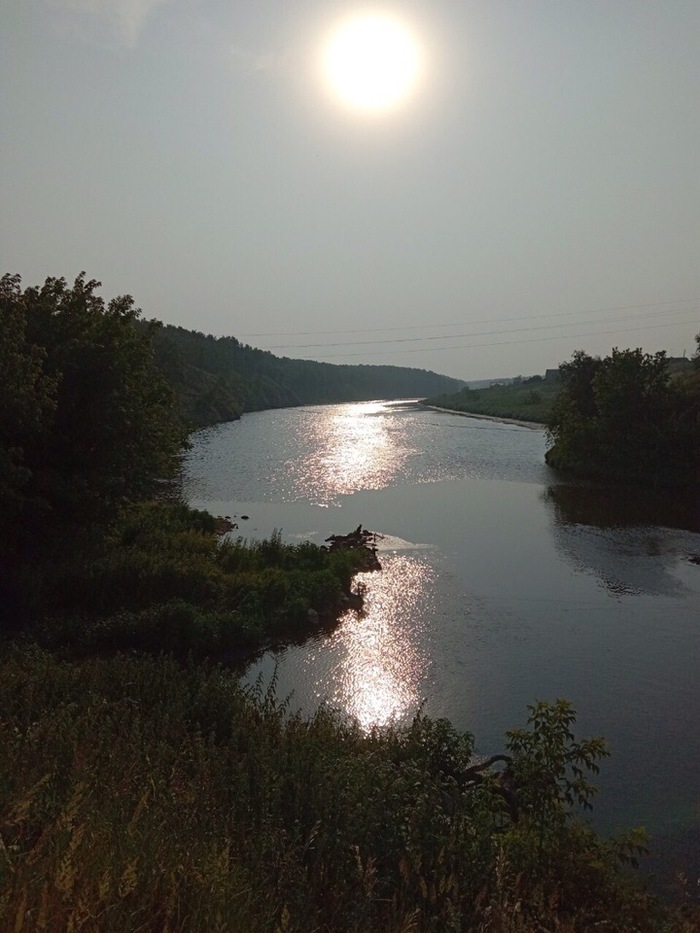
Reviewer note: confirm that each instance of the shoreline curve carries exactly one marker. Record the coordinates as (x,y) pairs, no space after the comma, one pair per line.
(535,425)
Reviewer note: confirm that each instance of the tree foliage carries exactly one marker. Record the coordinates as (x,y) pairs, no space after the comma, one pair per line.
(27,396)
(621,417)
(550,766)
(217,378)
(85,422)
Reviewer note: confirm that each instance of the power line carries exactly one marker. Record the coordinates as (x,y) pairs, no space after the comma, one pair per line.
(506,343)
(483,333)
(505,320)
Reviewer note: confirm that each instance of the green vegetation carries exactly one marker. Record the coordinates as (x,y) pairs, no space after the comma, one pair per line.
(87,426)
(629,416)
(524,400)
(623,418)
(164,581)
(216,379)
(88,435)
(140,794)
(87,419)
(141,788)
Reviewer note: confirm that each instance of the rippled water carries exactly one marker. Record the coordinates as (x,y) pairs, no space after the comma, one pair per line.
(499,586)
(320,454)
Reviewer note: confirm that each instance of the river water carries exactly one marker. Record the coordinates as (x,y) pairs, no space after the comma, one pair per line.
(500,586)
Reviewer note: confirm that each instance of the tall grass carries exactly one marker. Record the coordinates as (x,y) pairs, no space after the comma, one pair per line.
(142,794)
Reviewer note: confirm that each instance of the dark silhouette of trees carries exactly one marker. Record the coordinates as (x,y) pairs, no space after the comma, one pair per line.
(622,418)
(27,399)
(86,417)
(217,378)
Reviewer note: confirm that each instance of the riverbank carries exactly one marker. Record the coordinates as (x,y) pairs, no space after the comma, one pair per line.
(175,579)
(527,401)
(536,425)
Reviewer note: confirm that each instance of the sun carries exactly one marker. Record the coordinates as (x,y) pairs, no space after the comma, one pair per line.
(371,62)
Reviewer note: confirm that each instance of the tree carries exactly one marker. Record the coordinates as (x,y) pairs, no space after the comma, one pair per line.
(87,423)
(635,403)
(576,380)
(620,417)
(27,397)
(549,766)
(571,425)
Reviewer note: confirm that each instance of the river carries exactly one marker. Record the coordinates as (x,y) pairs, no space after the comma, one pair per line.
(500,586)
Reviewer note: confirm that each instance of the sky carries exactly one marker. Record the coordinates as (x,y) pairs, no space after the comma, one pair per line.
(536,190)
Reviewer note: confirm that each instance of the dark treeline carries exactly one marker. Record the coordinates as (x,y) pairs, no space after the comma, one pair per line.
(87,428)
(219,378)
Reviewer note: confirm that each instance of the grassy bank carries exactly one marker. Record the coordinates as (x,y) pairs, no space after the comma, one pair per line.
(141,794)
(164,580)
(529,400)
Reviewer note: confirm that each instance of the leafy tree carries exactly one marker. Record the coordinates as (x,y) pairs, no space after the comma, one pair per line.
(571,424)
(576,380)
(86,424)
(635,403)
(549,766)
(620,417)
(27,397)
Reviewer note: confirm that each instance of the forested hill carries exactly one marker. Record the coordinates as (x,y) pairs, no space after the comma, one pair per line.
(218,378)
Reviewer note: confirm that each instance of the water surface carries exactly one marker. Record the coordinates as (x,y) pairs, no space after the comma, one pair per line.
(500,586)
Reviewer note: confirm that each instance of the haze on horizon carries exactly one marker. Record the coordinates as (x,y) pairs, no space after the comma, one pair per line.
(534,188)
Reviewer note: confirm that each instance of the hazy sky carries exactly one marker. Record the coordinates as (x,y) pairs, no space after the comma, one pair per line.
(538,187)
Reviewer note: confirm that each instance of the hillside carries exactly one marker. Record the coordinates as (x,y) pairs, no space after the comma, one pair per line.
(219,378)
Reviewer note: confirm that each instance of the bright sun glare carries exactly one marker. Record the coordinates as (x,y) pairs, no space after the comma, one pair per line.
(372,62)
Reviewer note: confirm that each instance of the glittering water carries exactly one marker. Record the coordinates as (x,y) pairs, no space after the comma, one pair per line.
(378,663)
(320,454)
(499,586)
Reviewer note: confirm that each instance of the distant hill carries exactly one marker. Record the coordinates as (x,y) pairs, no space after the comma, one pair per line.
(218,378)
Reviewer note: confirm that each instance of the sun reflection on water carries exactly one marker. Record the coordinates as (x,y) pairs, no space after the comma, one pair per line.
(356,446)
(383,660)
